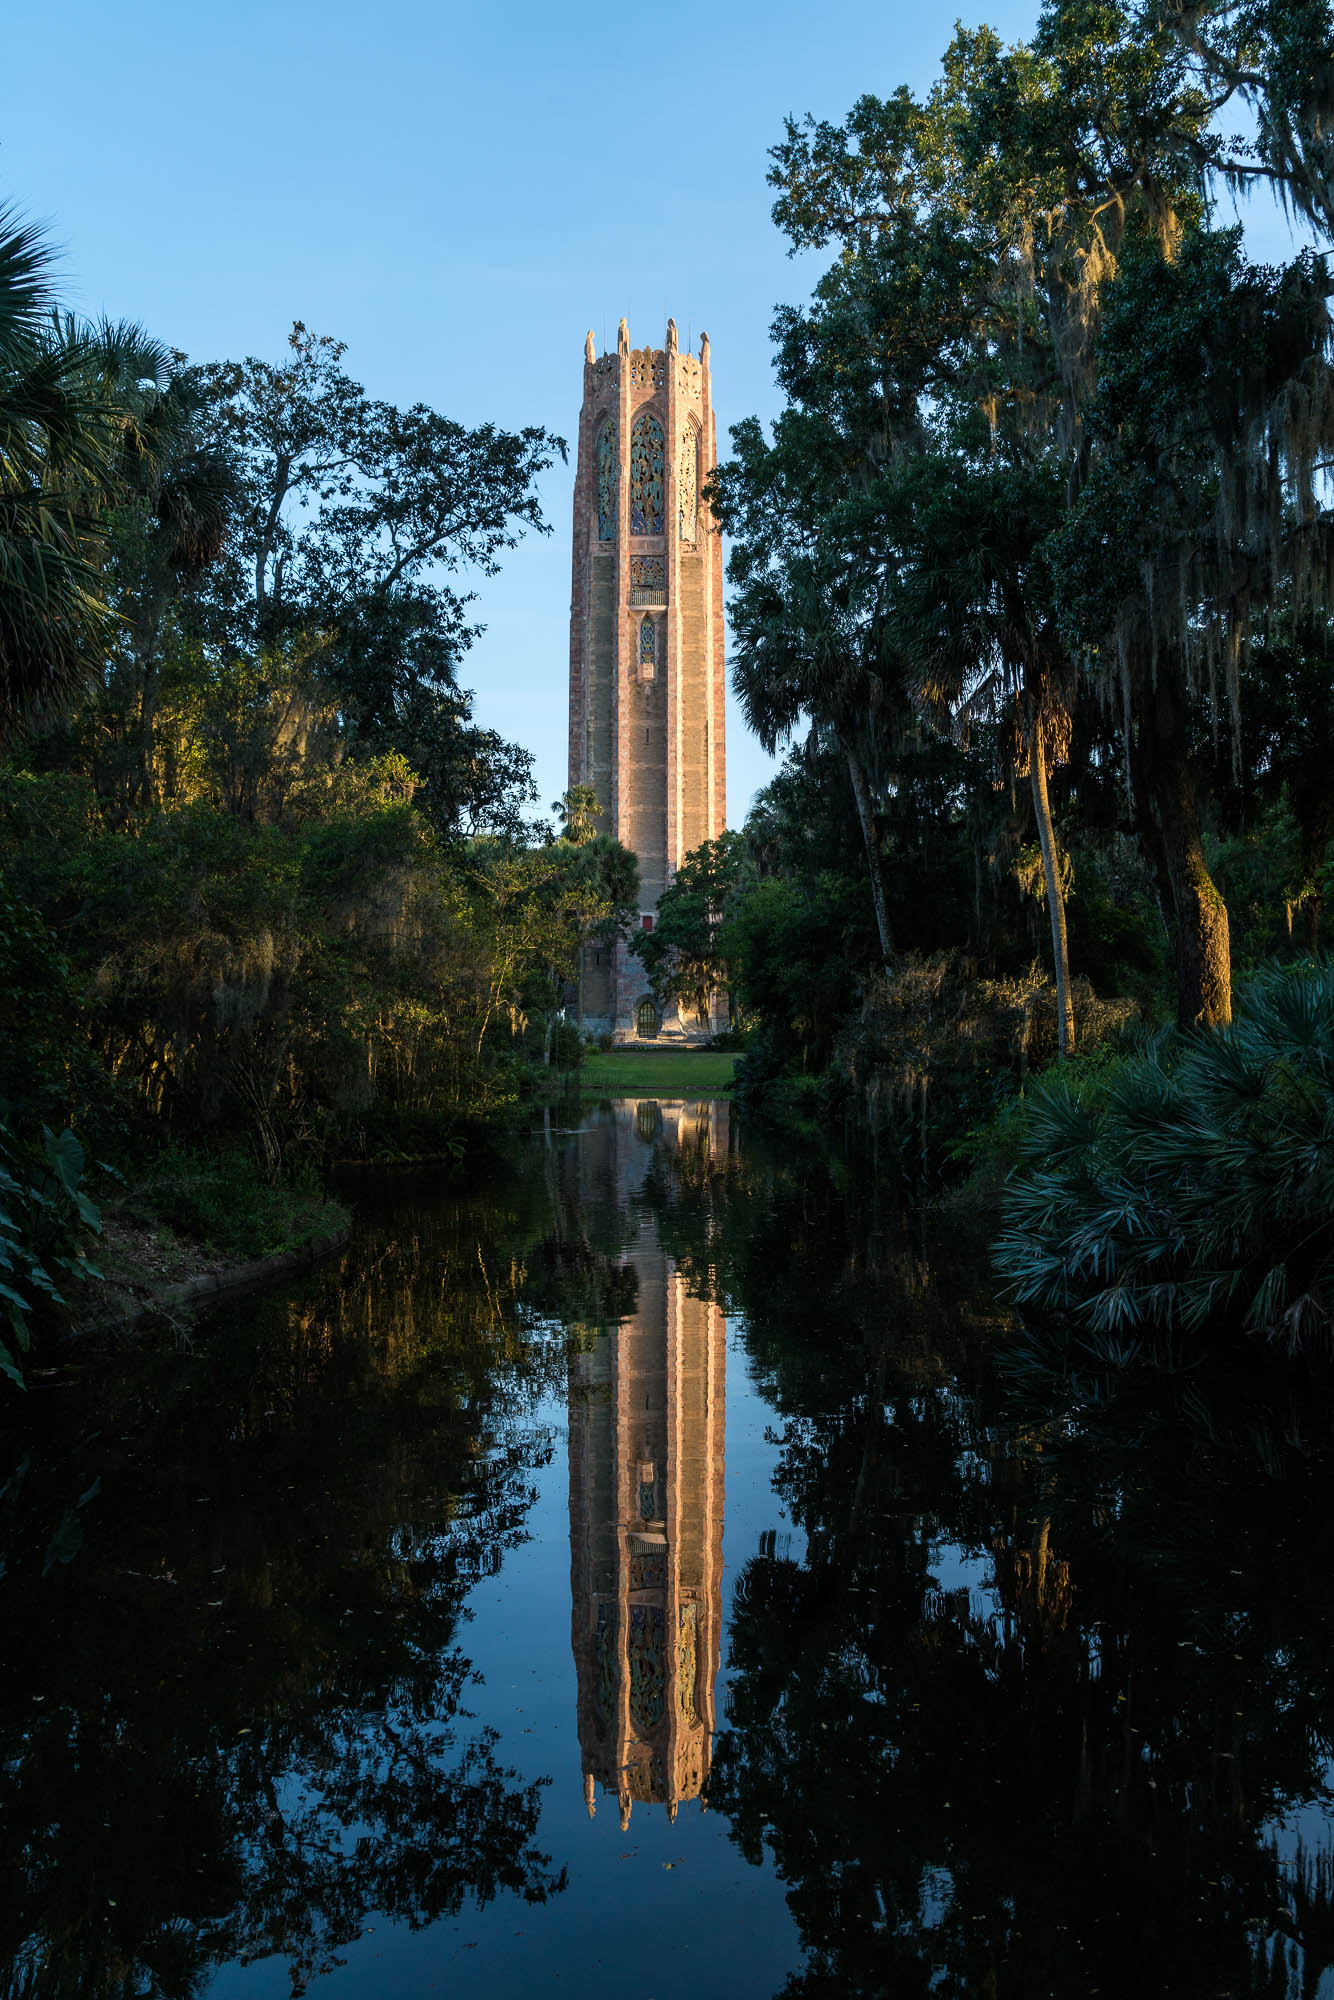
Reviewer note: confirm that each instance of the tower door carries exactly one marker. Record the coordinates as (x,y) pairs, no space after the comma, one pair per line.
(646,1021)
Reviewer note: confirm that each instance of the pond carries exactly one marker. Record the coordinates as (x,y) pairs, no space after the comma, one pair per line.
(656,1566)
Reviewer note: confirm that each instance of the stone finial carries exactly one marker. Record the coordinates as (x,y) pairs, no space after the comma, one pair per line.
(671,336)
(704,349)
(623,337)
(589,1799)
(589,352)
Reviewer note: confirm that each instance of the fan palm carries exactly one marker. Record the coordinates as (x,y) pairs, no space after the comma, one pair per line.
(803,647)
(74,412)
(1195,1193)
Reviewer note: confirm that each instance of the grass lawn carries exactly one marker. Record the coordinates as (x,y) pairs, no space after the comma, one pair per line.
(656,1073)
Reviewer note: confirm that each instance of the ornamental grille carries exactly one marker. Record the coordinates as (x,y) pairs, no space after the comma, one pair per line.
(648,580)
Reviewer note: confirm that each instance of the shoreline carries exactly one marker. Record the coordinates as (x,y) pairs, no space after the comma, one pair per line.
(123,1301)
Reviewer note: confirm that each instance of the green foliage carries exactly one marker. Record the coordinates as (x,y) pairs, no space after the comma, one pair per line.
(270,890)
(1192,1190)
(791,948)
(353,519)
(685,953)
(46,1218)
(46,1069)
(1047,481)
(64,417)
(215,1200)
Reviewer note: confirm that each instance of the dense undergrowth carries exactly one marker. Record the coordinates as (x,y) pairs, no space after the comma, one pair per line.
(1187,1190)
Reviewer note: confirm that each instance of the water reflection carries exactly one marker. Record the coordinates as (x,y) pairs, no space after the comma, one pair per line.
(1044,1705)
(646,1410)
(1019,1682)
(235,1715)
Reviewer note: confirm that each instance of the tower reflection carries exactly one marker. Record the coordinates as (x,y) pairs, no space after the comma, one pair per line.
(646,1499)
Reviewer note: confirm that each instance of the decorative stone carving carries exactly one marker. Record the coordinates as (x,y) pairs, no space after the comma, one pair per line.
(686,1662)
(648,580)
(687,482)
(648,1666)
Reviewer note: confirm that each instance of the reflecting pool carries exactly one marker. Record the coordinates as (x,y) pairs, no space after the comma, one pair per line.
(656,1566)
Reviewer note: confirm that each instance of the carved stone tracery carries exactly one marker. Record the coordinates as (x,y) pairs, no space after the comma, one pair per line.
(687,483)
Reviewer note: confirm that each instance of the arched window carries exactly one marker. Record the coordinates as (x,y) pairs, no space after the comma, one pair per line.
(607,481)
(648,647)
(687,483)
(646,1021)
(646,476)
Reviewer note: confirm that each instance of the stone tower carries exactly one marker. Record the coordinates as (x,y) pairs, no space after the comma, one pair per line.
(647,1434)
(646,637)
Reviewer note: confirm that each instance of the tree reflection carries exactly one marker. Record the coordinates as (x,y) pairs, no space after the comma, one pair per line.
(1055,1662)
(236,1724)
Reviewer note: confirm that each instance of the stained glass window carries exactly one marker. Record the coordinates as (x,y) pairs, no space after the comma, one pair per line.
(648,645)
(646,477)
(688,483)
(607,481)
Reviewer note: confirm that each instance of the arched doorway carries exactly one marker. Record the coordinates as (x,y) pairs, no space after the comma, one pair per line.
(646,1021)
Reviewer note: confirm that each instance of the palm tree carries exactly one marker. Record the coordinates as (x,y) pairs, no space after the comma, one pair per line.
(972,609)
(75,415)
(1192,1190)
(806,645)
(172,499)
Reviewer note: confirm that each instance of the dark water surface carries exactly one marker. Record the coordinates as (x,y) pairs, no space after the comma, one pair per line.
(654,1569)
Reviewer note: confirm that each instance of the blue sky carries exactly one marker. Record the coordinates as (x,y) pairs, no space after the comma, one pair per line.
(458,193)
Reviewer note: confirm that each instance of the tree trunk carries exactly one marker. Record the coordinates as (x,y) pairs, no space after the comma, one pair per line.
(1060,951)
(873,863)
(1204,961)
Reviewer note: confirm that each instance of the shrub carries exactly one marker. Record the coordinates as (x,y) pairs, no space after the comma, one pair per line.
(45,1219)
(221,1202)
(1192,1188)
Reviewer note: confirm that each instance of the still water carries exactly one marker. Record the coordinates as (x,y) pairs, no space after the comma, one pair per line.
(657,1568)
